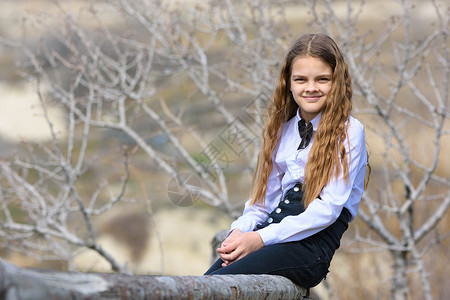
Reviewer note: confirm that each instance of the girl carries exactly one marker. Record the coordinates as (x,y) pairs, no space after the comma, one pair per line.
(310,172)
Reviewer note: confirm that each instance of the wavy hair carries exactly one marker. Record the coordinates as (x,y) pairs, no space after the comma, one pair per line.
(327,157)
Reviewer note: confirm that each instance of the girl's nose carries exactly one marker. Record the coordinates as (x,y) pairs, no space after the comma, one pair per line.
(311,86)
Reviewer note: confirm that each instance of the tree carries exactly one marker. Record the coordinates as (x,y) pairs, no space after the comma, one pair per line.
(124,79)
(397,100)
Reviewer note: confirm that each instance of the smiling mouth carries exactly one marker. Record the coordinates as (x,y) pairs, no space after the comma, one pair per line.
(311,98)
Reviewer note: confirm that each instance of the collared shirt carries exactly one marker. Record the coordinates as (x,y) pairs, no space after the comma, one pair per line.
(289,168)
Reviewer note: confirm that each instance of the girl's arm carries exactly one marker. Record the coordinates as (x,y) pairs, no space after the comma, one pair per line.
(334,197)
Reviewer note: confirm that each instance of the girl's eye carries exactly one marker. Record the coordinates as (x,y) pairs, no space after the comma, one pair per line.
(299,79)
(324,80)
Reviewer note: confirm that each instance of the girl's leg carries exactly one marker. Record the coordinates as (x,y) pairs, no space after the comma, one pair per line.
(302,262)
(216,265)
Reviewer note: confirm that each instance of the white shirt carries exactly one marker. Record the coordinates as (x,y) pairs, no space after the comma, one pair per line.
(288,169)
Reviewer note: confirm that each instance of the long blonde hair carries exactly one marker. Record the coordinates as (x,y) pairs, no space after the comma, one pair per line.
(327,157)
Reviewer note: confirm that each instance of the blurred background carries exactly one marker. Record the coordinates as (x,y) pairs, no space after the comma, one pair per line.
(132,128)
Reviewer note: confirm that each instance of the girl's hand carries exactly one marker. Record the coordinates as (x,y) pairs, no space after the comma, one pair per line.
(235,233)
(238,244)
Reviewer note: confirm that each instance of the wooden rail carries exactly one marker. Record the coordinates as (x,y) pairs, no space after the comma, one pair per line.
(24,284)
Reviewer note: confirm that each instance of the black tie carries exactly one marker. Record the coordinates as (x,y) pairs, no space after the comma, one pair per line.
(306,132)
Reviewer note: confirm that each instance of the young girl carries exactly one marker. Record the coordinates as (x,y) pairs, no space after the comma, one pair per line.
(310,172)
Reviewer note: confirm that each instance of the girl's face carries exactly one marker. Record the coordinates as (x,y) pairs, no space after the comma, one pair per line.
(311,80)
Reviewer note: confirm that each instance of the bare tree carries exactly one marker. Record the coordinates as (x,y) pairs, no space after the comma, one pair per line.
(111,81)
(125,78)
(402,74)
